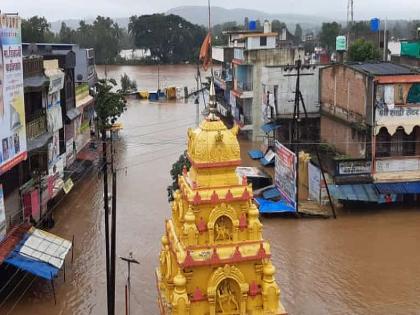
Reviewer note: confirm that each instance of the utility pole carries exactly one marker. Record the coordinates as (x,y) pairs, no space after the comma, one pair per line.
(130,260)
(113,239)
(296,136)
(106,208)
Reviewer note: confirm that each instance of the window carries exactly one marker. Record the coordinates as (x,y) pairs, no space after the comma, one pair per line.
(403,144)
(263,41)
(382,143)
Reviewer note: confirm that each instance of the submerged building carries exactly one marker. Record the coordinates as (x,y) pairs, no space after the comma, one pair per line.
(214,259)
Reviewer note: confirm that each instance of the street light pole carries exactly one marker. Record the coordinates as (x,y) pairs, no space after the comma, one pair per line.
(130,260)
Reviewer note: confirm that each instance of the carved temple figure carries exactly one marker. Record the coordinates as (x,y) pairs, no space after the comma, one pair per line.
(226,300)
(223,229)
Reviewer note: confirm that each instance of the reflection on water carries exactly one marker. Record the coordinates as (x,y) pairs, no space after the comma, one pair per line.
(363,263)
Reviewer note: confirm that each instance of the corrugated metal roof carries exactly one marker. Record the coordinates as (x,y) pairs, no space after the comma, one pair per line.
(381,68)
(399,188)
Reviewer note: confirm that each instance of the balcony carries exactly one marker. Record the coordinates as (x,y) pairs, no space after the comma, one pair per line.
(36,126)
(245,86)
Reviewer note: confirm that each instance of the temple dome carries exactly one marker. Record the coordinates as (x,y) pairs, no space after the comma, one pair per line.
(213,143)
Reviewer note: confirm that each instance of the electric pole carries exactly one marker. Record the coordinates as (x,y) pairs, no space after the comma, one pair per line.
(106,208)
(130,260)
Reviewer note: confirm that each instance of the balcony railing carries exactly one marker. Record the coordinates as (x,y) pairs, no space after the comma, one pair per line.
(36,126)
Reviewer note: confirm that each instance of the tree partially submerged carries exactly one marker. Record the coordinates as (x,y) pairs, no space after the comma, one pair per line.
(110,103)
(128,85)
(170,38)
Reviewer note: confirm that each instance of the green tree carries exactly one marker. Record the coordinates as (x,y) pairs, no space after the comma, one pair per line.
(361,50)
(66,34)
(127,85)
(36,30)
(298,33)
(176,171)
(110,103)
(170,38)
(277,26)
(329,32)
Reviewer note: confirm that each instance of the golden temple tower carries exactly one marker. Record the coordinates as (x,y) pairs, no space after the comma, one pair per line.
(213,258)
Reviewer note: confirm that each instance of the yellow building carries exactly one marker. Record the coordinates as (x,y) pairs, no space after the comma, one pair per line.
(213,258)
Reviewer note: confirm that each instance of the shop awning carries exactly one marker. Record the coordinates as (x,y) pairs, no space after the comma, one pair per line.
(12,239)
(268,206)
(269,127)
(40,253)
(39,142)
(399,188)
(73,114)
(355,192)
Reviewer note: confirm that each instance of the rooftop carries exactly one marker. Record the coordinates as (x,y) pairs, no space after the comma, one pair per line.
(381,68)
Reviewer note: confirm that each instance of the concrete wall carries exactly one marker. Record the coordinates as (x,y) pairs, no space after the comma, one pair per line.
(259,59)
(254,43)
(309,83)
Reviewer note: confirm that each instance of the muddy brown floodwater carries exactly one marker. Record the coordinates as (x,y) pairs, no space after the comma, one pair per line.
(365,262)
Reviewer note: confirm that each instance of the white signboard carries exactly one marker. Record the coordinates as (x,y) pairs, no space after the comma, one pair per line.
(285,173)
(2,215)
(397,165)
(12,107)
(403,114)
(354,167)
(314,178)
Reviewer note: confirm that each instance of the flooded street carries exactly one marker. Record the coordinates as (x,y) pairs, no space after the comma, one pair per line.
(365,262)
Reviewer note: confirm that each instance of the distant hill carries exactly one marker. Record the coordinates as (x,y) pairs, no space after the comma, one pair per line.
(199,15)
(74,23)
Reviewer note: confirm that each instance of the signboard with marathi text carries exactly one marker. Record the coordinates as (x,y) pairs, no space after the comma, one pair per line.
(398,116)
(285,173)
(354,167)
(397,165)
(12,108)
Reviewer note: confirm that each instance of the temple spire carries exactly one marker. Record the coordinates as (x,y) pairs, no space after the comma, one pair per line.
(212,101)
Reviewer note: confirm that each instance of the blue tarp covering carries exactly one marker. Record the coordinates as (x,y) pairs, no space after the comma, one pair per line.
(356,192)
(399,188)
(271,193)
(35,267)
(255,154)
(265,162)
(267,128)
(267,206)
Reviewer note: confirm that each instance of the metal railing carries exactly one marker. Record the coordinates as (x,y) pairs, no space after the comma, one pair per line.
(245,86)
(36,127)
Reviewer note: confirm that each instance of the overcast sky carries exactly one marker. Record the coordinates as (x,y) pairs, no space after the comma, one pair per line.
(336,9)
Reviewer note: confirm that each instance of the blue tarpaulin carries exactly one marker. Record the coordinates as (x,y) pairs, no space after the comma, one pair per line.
(267,206)
(271,193)
(31,265)
(399,188)
(267,128)
(355,192)
(255,154)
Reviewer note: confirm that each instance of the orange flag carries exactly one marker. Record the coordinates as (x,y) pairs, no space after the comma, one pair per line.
(205,55)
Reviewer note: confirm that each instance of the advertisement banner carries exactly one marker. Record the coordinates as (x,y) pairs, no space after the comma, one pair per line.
(2,214)
(12,107)
(285,173)
(53,149)
(314,177)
